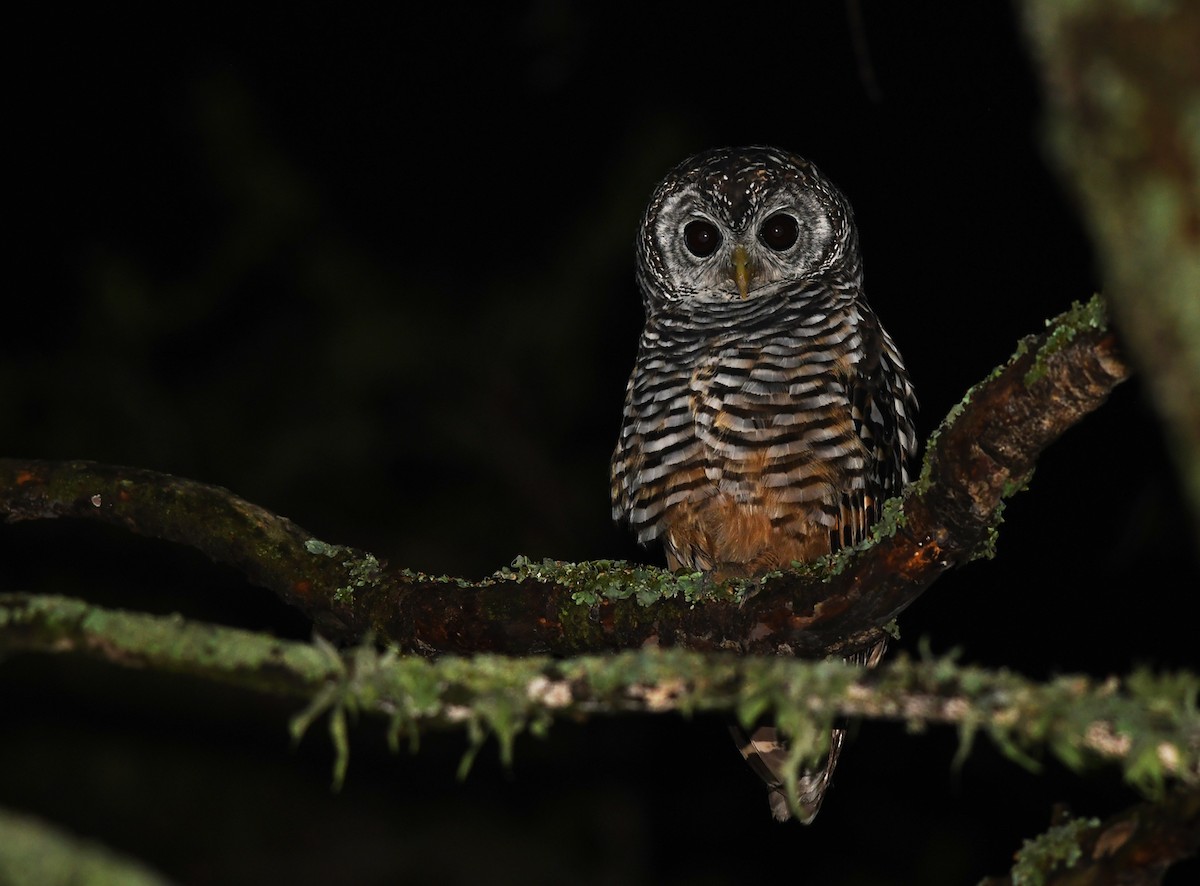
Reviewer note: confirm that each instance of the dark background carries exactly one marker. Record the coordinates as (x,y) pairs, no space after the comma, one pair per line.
(375,272)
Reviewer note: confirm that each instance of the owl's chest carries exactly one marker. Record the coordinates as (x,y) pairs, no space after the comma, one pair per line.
(772,450)
(758,396)
(736,447)
(752,421)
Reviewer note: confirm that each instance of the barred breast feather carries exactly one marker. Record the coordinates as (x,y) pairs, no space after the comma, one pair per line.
(769,434)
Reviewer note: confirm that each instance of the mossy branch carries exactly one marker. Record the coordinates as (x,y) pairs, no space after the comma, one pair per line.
(983,453)
(1133,848)
(1146,723)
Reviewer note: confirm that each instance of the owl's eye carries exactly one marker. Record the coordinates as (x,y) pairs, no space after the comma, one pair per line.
(702,238)
(779,232)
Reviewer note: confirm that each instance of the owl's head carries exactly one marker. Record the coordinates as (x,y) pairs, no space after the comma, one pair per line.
(737,224)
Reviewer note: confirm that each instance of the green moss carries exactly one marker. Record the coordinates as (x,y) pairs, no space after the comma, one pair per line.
(418,577)
(318,548)
(890,520)
(488,696)
(1013,485)
(591,582)
(1058,848)
(1092,315)
(364,569)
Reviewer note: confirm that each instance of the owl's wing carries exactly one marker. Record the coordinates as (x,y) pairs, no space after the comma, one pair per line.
(883,407)
(658,459)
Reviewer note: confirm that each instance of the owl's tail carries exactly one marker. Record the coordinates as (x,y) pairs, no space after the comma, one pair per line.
(767,753)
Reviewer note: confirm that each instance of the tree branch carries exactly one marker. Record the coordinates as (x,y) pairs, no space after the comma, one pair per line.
(1132,848)
(983,453)
(1148,724)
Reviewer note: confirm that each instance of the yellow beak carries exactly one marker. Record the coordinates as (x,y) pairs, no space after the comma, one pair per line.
(741,271)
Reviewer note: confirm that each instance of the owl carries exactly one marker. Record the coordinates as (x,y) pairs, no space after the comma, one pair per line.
(769,415)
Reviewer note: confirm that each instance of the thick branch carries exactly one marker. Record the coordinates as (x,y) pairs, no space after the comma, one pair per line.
(983,453)
(1147,724)
(1135,847)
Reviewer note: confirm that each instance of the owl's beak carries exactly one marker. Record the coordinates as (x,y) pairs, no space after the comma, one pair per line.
(741,270)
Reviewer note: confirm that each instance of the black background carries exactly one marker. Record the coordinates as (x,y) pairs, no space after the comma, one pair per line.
(375,272)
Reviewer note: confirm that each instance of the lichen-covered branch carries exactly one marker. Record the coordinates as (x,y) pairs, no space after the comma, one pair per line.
(171,644)
(1146,723)
(983,453)
(1133,848)
(271,551)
